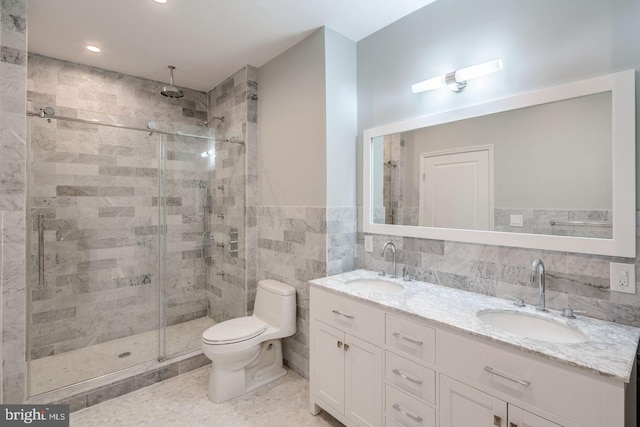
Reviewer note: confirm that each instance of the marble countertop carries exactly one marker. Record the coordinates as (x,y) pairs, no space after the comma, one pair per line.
(609,351)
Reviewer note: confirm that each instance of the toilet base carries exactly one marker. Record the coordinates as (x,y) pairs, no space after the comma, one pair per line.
(265,368)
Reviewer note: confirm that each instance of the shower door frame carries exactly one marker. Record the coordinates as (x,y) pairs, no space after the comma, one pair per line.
(161,358)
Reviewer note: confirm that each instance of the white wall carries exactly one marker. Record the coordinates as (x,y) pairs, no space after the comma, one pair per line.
(543,43)
(291,106)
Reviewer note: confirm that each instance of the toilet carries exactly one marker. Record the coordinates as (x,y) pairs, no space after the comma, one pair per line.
(246,352)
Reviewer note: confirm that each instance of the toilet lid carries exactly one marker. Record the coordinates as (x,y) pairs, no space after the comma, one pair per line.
(234,330)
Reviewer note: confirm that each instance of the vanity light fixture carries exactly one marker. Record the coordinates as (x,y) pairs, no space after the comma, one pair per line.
(94,49)
(457,80)
(208,153)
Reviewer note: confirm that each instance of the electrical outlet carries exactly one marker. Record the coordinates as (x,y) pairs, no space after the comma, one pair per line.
(516,221)
(368,243)
(622,277)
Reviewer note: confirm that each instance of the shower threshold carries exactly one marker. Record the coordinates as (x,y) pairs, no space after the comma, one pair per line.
(72,367)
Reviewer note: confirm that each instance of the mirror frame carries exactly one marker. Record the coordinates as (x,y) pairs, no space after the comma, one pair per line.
(623,138)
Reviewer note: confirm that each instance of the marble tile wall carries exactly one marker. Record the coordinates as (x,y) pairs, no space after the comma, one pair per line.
(298,244)
(573,280)
(97,188)
(233,185)
(13,62)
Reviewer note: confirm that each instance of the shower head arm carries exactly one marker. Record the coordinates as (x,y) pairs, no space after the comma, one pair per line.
(221,118)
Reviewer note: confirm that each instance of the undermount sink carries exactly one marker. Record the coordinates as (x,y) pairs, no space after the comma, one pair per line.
(532,326)
(374,285)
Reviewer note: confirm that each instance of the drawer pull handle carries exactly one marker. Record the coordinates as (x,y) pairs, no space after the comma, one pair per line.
(406,377)
(342,314)
(411,340)
(406,413)
(506,376)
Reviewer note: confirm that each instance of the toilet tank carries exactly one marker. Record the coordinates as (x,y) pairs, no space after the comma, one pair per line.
(276,305)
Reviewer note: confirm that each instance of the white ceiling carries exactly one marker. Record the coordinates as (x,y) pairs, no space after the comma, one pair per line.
(207,40)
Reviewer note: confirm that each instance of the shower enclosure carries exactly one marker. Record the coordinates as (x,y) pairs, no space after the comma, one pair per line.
(133,244)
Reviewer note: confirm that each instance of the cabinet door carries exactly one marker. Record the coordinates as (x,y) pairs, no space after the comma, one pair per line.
(363,382)
(464,406)
(328,365)
(520,418)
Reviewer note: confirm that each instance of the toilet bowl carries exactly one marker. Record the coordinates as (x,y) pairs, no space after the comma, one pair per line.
(246,352)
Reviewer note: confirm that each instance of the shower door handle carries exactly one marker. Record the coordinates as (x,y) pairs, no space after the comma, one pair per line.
(41,250)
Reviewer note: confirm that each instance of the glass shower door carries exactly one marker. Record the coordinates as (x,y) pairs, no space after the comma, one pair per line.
(93,196)
(187,164)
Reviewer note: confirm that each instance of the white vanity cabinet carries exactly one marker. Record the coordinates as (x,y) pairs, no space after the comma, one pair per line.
(372,367)
(553,391)
(346,364)
(463,406)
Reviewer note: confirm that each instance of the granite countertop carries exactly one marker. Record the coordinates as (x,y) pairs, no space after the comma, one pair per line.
(609,351)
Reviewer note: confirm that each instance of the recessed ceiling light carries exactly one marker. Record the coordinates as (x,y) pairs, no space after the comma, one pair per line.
(160,1)
(95,49)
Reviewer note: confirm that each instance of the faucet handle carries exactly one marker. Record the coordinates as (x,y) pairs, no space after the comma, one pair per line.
(570,313)
(405,274)
(518,302)
(382,273)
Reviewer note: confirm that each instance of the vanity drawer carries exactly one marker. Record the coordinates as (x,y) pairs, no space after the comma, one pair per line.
(530,380)
(344,313)
(406,410)
(411,377)
(411,338)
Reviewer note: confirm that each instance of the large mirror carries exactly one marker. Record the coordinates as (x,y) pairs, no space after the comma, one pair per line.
(534,170)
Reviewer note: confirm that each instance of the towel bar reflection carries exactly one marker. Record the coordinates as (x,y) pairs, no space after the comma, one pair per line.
(41,250)
(581,223)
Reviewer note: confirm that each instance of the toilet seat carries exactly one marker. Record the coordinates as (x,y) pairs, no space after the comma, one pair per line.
(234,330)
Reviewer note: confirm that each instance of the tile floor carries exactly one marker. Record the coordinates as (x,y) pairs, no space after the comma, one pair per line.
(182,401)
(53,372)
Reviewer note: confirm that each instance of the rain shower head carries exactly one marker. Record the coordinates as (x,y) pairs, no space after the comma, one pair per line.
(171,91)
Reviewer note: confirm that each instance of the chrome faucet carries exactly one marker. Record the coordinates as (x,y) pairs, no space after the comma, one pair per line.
(393,251)
(537,269)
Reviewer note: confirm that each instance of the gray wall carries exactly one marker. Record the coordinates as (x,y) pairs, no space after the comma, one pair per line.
(542,43)
(552,156)
(341,106)
(293,130)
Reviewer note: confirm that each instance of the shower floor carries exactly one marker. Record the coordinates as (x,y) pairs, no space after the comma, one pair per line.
(60,370)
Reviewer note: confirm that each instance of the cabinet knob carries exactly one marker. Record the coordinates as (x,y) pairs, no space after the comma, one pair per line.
(346,347)
(339,344)
(497,421)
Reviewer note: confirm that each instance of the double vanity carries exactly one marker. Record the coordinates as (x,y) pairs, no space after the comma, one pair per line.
(384,351)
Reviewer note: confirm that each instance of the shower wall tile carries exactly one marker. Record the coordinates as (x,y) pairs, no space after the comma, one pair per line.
(98,188)
(286,254)
(233,186)
(13,81)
